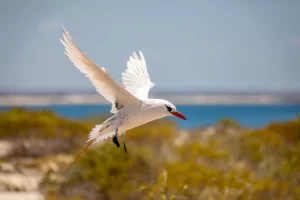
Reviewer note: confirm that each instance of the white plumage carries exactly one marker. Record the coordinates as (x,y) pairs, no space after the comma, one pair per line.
(136,78)
(101,80)
(130,103)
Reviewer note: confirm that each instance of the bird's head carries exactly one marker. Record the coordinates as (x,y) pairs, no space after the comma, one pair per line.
(171,109)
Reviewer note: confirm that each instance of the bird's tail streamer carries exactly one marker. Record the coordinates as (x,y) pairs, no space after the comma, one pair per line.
(94,137)
(76,158)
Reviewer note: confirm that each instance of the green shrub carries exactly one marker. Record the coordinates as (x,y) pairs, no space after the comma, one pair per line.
(229,123)
(24,123)
(257,164)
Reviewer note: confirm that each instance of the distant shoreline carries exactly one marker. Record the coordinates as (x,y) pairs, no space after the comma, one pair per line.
(186,99)
(160,92)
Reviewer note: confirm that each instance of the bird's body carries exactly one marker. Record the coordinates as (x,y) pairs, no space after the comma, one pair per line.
(130,103)
(128,118)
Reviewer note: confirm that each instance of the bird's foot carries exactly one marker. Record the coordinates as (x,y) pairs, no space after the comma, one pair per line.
(125,147)
(116,141)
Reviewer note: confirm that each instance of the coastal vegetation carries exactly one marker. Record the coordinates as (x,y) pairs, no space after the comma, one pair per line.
(226,161)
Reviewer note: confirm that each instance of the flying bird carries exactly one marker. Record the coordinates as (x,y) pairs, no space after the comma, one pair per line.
(130,104)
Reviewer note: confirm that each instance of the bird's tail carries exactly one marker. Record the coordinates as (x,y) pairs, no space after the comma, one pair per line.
(98,134)
(94,137)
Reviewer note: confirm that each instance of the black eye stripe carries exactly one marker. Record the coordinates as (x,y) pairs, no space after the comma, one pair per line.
(169,108)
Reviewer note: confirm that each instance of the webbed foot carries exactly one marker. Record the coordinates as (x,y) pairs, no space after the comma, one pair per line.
(116,141)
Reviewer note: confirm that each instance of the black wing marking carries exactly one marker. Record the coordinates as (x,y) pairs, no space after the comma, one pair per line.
(118,106)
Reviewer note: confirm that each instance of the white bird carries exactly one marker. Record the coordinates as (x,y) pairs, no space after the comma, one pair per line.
(130,103)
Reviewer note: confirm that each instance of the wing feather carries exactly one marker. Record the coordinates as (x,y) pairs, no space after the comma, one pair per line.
(136,79)
(102,81)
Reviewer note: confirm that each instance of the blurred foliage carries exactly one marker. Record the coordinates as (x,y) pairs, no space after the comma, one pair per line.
(25,123)
(256,164)
(229,123)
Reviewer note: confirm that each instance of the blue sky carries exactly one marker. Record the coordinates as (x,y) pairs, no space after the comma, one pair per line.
(188,45)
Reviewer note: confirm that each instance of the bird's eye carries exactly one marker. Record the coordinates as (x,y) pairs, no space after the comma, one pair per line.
(168,108)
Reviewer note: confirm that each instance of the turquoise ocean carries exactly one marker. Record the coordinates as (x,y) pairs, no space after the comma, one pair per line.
(254,116)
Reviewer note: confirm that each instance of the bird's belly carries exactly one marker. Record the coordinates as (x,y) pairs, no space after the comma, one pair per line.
(137,120)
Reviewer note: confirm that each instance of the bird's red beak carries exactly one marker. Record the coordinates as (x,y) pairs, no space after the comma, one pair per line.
(178,114)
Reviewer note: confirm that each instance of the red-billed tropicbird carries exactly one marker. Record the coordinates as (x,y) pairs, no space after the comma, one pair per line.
(130,103)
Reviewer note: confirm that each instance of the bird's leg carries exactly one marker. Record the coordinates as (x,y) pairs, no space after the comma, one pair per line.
(123,136)
(115,139)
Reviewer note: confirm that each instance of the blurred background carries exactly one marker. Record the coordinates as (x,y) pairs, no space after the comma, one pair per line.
(231,68)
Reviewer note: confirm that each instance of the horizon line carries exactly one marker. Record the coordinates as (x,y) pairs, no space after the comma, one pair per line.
(161,92)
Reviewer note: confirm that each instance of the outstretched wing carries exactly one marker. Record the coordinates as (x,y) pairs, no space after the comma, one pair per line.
(136,79)
(102,81)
